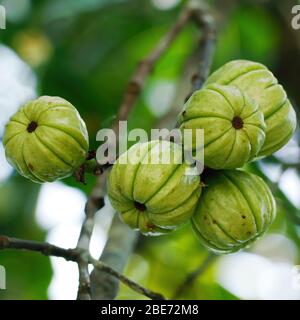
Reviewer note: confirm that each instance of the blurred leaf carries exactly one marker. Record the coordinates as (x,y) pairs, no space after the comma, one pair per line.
(252,33)
(28,274)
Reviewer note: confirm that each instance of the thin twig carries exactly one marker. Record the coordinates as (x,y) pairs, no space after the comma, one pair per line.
(129,283)
(44,248)
(75,256)
(192,277)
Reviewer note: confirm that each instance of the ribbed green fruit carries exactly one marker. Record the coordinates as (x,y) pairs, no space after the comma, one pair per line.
(261,85)
(235,209)
(154,196)
(46,139)
(233,125)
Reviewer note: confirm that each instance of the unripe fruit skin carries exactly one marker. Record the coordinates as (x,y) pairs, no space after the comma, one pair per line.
(261,85)
(154,198)
(46,139)
(214,109)
(235,208)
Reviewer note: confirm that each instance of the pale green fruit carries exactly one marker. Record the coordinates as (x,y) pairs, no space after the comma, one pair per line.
(46,139)
(261,85)
(235,208)
(233,125)
(152,196)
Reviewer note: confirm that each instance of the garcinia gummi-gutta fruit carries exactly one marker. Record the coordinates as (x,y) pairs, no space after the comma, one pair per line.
(262,86)
(155,191)
(234,127)
(235,208)
(46,139)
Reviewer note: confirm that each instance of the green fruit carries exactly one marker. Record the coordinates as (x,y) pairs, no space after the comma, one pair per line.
(46,139)
(232,122)
(261,85)
(235,209)
(154,196)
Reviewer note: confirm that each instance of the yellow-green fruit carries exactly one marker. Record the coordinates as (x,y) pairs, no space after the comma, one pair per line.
(155,191)
(235,209)
(234,127)
(261,85)
(46,139)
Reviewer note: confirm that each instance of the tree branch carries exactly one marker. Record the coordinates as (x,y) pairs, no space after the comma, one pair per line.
(94,203)
(206,47)
(129,283)
(145,67)
(84,287)
(41,247)
(74,255)
(192,277)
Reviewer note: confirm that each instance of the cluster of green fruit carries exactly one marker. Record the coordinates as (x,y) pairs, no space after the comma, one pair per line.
(245,114)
